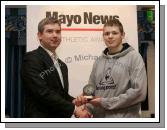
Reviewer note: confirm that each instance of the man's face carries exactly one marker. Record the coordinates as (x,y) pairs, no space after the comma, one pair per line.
(112,36)
(50,38)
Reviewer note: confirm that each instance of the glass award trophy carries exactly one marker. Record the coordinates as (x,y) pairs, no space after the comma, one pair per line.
(89,91)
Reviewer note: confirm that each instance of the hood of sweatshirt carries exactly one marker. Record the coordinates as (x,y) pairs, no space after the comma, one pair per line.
(126,48)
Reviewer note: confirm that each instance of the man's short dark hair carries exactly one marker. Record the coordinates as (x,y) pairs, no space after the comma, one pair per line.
(46,21)
(115,22)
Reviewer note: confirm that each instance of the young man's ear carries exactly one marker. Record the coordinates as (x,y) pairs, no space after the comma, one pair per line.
(123,35)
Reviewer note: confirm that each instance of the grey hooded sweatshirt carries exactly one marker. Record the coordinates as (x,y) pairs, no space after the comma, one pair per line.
(121,82)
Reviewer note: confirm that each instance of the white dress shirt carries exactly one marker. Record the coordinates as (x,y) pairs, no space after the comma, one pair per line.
(54,57)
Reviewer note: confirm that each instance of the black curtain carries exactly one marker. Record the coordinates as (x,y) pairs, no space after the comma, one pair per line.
(15,48)
(143,51)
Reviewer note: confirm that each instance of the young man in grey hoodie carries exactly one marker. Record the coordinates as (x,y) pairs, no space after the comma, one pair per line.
(119,77)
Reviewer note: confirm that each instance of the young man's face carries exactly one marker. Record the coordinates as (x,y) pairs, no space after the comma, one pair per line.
(50,38)
(112,36)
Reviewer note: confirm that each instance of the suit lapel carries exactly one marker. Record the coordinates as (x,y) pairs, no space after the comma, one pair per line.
(64,74)
(48,61)
(45,56)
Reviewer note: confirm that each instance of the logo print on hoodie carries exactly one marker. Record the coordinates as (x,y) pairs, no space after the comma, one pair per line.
(107,81)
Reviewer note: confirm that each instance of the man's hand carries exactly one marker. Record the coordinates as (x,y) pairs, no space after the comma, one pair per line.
(81,112)
(95,101)
(80,100)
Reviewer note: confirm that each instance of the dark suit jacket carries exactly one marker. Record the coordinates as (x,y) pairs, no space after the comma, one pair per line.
(44,93)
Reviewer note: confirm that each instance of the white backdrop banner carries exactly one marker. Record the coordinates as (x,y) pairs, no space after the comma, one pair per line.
(82,40)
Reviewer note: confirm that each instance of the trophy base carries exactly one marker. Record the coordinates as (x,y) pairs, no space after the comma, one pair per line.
(89,97)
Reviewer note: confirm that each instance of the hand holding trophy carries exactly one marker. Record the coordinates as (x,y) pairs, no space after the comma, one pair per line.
(89,91)
(89,94)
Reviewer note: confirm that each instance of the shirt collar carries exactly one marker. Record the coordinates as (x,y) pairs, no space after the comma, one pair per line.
(50,53)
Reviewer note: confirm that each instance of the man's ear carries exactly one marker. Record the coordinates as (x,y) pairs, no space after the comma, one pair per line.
(39,34)
(123,35)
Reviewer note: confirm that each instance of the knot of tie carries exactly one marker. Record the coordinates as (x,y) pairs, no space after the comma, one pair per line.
(54,56)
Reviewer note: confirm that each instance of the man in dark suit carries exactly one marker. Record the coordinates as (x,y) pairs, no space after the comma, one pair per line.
(45,78)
